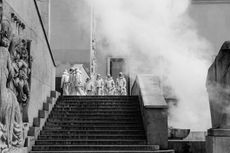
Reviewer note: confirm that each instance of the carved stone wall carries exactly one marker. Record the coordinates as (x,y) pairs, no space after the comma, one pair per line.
(36,60)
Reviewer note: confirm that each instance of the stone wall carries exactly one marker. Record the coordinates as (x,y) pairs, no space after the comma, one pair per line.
(43,66)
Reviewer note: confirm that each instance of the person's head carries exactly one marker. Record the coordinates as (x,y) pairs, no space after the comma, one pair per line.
(98,76)
(108,76)
(65,71)
(70,70)
(120,74)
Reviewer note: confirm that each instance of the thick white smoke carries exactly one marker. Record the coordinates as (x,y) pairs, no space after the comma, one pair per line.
(158,36)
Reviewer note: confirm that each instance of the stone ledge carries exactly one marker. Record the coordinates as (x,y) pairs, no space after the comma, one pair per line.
(219,132)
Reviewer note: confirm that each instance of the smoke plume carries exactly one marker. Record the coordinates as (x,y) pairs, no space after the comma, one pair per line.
(159,37)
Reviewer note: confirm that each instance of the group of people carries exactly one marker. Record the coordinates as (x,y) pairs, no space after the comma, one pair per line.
(72,83)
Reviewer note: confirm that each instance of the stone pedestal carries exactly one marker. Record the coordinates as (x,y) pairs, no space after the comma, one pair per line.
(218,141)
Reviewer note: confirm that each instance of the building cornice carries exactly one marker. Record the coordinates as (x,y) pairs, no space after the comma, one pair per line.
(210,1)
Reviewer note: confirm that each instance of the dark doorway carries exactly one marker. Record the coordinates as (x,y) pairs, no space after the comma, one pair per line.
(117,65)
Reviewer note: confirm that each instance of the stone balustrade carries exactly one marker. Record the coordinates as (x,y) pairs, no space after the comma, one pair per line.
(154,109)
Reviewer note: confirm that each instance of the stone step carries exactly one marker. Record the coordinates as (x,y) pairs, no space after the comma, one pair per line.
(100,97)
(66,119)
(99,103)
(91,123)
(98,115)
(75,114)
(94,109)
(91,137)
(100,100)
(91,142)
(108,151)
(96,104)
(98,112)
(93,117)
(74,132)
(94,122)
(104,102)
(140,127)
(93,147)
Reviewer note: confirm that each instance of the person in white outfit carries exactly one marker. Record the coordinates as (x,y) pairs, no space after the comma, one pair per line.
(109,85)
(89,87)
(79,85)
(65,83)
(99,84)
(121,85)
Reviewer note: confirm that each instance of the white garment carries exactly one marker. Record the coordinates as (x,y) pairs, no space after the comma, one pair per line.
(77,84)
(65,83)
(89,88)
(121,86)
(99,84)
(109,86)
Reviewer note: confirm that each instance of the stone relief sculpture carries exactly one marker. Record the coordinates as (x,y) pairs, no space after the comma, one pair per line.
(11,125)
(20,63)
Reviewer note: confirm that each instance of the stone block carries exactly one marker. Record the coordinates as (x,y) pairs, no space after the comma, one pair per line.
(156,126)
(30,141)
(33,131)
(36,122)
(41,114)
(184,146)
(218,141)
(53,94)
(46,106)
(50,100)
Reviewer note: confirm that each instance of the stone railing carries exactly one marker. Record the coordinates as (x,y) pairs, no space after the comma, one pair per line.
(153,108)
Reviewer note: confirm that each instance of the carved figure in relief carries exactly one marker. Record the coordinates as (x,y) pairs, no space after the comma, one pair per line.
(11,126)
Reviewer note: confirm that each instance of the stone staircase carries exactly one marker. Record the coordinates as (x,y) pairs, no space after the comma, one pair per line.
(93,124)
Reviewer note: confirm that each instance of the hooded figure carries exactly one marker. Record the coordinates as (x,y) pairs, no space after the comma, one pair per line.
(109,85)
(99,84)
(217,84)
(65,82)
(89,87)
(121,85)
